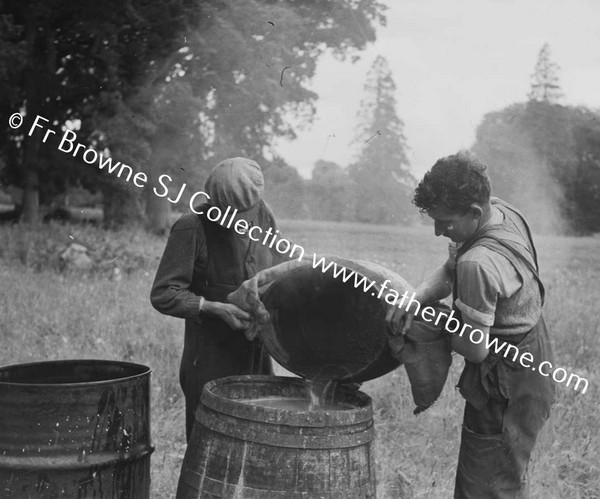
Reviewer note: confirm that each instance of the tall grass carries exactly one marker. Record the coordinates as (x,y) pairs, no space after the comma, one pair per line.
(51,314)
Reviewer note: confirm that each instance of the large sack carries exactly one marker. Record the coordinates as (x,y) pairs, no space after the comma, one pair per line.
(317,325)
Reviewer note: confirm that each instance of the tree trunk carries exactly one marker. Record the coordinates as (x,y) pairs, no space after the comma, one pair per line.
(158,209)
(38,75)
(30,208)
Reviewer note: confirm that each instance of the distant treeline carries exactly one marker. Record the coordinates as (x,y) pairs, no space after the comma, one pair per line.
(541,156)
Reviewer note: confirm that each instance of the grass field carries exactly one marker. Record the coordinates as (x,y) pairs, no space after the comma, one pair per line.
(47,314)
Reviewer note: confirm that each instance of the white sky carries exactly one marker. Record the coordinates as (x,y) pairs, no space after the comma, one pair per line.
(453,61)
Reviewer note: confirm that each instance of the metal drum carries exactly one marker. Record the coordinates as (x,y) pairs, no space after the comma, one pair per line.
(75,428)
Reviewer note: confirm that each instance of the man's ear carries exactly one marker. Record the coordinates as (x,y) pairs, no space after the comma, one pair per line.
(476,210)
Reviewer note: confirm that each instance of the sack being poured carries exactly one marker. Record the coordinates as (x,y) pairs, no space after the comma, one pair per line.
(323,323)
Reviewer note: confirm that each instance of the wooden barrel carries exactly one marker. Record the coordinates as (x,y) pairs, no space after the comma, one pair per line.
(243,447)
(75,428)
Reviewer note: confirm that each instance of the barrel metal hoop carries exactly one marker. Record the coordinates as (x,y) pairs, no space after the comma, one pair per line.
(231,428)
(214,400)
(210,485)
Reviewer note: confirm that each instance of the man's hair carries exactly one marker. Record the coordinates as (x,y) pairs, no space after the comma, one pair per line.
(455,182)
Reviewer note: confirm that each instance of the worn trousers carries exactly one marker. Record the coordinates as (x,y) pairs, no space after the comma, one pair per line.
(506,407)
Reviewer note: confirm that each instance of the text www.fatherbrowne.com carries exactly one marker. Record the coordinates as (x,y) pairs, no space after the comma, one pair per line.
(271,238)
(452,324)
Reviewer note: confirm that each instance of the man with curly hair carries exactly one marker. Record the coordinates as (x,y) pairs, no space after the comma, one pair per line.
(492,274)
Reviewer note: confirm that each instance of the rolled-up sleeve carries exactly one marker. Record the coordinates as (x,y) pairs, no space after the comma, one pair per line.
(477,293)
(171,294)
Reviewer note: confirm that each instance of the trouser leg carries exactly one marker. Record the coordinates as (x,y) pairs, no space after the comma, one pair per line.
(191,390)
(191,404)
(497,442)
(490,464)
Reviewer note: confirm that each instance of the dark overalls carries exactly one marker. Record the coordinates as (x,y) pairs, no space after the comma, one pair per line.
(506,403)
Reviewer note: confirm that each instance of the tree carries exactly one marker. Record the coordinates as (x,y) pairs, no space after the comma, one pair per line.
(82,62)
(248,65)
(330,193)
(284,189)
(584,195)
(177,150)
(543,156)
(382,179)
(544,80)
(520,173)
(545,159)
(139,61)
(110,65)
(31,34)
(11,66)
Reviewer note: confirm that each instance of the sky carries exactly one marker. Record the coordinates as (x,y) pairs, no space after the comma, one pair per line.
(452,61)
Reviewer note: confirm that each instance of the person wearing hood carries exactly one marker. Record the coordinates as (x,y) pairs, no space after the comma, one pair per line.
(202,263)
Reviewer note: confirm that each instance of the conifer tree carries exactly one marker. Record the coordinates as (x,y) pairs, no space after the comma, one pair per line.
(381,175)
(544,80)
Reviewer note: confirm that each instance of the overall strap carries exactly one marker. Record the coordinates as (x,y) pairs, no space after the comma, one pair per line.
(510,207)
(504,237)
(514,251)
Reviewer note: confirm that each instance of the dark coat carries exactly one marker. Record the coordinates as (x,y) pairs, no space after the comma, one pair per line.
(203,258)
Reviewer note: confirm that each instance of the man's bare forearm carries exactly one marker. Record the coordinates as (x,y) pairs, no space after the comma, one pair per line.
(437,286)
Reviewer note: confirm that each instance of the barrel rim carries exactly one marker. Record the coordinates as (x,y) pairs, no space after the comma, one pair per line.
(144,371)
(216,402)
